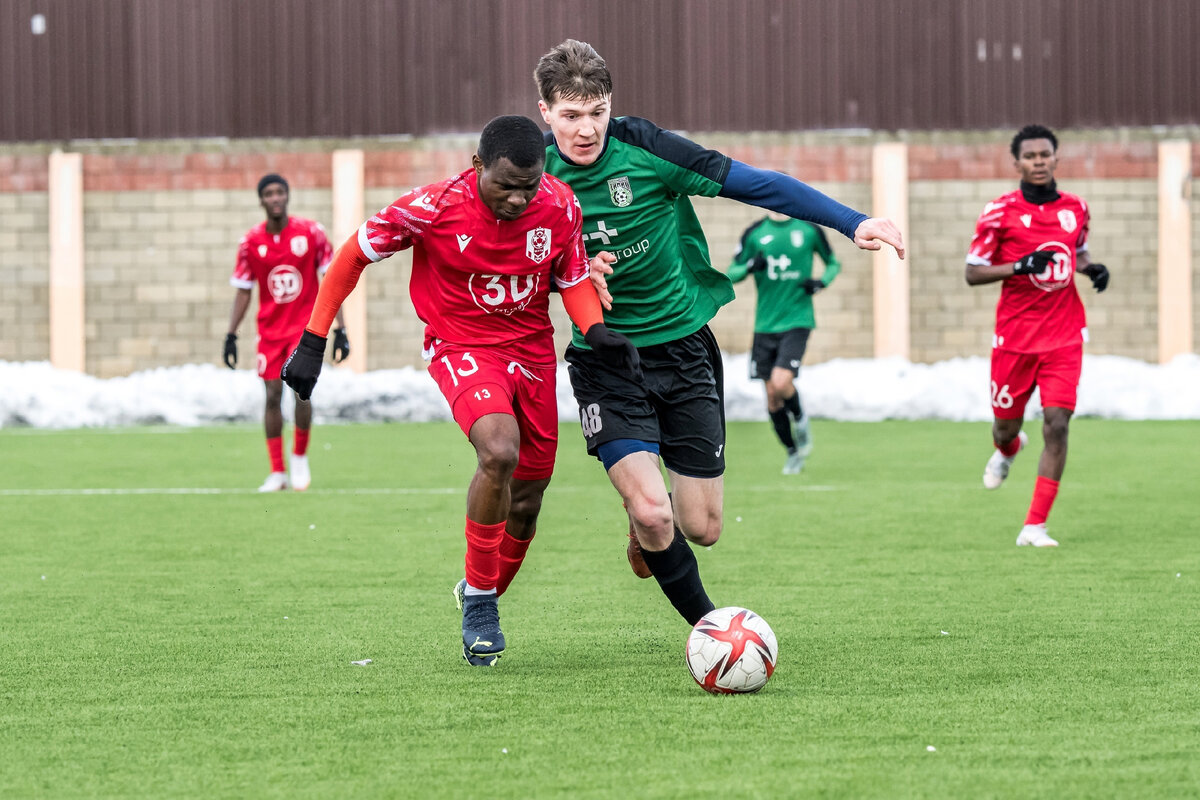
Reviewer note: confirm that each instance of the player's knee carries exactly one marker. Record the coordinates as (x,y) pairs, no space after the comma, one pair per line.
(653,516)
(498,458)
(704,531)
(1055,430)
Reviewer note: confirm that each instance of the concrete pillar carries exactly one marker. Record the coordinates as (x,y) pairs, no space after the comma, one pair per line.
(1174,249)
(347,216)
(889,192)
(66,261)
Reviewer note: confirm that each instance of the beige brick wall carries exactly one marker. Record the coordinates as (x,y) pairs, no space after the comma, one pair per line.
(163,219)
(157,267)
(24,276)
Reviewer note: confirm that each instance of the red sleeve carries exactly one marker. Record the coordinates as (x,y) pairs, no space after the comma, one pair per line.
(582,305)
(324,251)
(243,276)
(340,280)
(572,265)
(987,235)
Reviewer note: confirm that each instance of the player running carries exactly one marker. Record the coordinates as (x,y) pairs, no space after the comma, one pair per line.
(634,181)
(1035,240)
(284,256)
(778,251)
(486,246)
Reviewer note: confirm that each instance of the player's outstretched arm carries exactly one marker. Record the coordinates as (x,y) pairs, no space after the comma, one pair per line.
(303,366)
(874,233)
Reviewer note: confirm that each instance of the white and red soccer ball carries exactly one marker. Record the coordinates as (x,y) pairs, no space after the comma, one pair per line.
(731,651)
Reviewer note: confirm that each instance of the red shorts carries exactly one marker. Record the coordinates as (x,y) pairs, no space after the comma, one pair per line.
(272,353)
(479,381)
(1014,375)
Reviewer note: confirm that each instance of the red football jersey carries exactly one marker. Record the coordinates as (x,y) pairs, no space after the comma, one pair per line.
(286,266)
(1038,312)
(478,280)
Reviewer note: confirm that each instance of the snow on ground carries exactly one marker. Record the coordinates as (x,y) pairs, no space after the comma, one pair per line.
(37,395)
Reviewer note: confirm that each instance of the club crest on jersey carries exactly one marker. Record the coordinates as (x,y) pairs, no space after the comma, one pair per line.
(1066,218)
(262,251)
(619,191)
(537,244)
(299,245)
(284,283)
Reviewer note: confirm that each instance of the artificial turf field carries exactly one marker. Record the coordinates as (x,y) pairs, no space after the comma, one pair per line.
(200,645)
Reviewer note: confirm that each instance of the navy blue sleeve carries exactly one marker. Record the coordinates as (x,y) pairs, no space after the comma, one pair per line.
(785,194)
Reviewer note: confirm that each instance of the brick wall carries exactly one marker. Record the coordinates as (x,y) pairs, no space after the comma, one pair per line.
(162,222)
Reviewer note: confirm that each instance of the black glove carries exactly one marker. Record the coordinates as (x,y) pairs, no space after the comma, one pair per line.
(303,366)
(758,264)
(813,285)
(615,350)
(341,345)
(1099,275)
(1035,262)
(231,350)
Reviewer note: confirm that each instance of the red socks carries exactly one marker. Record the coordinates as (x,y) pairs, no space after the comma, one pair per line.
(512,553)
(275,451)
(1009,450)
(483,554)
(300,441)
(1044,492)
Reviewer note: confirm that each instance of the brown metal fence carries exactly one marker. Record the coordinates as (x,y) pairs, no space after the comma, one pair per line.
(300,68)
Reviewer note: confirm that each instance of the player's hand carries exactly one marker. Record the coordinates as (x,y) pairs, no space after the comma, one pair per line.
(303,366)
(231,350)
(614,349)
(813,285)
(599,268)
(1035,262)
(758,264)
(874,233)
(1099,275)
(341,345)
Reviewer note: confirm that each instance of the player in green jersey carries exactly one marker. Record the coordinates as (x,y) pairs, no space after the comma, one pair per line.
(651,266)
(778,251)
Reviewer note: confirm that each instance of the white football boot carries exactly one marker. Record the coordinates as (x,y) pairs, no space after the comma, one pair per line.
(1035,536)
(275,482)
(794,463)
(997,466)
(301,477)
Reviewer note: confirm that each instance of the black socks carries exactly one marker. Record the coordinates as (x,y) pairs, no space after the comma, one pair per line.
(678,576)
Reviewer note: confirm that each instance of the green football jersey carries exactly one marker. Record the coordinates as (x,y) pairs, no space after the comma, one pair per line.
(635,200)
(788,247)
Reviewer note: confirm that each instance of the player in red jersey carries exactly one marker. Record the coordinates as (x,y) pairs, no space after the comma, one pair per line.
(1034,240)
(284,256)
(486,246)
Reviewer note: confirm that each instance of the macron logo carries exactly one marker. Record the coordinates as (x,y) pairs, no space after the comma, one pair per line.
(463,241)
(1026,219)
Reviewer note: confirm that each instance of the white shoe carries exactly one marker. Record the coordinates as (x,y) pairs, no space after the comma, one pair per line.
(1035,536)
(301,477)
(803,435)
(275,482)
(794,463)
(997,466)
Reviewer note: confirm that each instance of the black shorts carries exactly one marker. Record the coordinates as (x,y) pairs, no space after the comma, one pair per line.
(680,403)
(785,350)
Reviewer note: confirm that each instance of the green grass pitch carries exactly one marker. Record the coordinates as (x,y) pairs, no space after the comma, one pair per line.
(200,645)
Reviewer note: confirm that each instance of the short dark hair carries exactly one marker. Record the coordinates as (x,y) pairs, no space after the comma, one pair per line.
(514,137)
(572,70)
(1032,132)
(267,180)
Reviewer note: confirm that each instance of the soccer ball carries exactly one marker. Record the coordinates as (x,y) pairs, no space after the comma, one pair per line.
(731,651)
